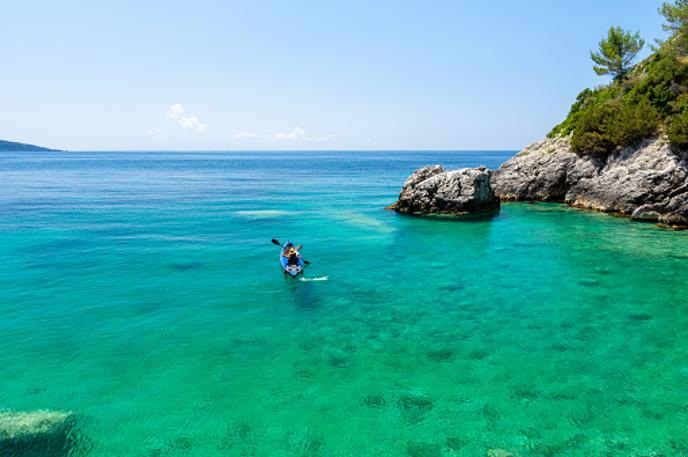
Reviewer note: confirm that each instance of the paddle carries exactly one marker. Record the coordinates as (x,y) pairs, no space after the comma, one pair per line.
(274,241)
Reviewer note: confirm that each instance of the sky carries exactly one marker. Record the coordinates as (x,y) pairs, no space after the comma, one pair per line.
(259,75)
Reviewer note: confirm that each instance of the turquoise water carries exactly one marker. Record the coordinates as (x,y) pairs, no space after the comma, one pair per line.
(141,291)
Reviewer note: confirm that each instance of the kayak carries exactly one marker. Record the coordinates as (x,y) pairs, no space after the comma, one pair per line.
(291,270)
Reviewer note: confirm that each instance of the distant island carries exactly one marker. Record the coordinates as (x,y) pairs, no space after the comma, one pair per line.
(13,146)
(623,148)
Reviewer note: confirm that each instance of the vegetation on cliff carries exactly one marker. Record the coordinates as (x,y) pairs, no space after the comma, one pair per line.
(642,101)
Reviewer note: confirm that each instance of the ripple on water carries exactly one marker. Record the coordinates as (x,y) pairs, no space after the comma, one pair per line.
(541,332)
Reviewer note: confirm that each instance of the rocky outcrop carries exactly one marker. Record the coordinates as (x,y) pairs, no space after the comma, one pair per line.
(37,433)
(432,190)
(648,182)
(543,171)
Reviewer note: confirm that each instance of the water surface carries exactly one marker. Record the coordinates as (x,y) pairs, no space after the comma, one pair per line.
(141,291)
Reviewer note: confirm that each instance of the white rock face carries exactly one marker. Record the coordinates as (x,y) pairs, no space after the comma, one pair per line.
(37,433)
(432,190)
(648,182)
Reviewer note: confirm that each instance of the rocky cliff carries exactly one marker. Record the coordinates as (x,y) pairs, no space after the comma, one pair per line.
(459,192)
(647,182)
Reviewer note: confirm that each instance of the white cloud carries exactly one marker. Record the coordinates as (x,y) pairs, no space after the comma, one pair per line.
(295,134)
(156,132)
(176,112)
(246,135)
(298,134)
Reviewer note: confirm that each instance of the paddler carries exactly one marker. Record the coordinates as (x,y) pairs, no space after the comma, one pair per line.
(292,253)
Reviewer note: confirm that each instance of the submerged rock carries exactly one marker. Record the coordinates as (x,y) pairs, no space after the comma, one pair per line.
(422,449)
(412,402)
(305,442)
(441,355)
(499,453)
(414,408)
(454,443)
(241,437)
(374,401)
(648,182)
(37,433)
(432,190)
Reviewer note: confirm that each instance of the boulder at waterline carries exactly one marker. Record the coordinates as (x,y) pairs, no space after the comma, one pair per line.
(432,190)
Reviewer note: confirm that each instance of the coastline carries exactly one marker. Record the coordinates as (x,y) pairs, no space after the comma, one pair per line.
(647,183)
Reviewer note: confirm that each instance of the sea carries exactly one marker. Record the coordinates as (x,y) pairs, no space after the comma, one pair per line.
(141,292)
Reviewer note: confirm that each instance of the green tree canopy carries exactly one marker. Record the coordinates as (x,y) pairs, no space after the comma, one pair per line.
(676,15)
(644,101)
(617,51)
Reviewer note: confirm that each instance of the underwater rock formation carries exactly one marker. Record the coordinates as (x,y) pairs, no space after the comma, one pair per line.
(432,190)
(499,453)
(414,408)
(37,433)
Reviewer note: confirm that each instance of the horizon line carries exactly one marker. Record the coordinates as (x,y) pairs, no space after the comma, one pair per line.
(289,150)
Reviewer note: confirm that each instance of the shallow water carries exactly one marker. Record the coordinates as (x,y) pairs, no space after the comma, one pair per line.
(141,291)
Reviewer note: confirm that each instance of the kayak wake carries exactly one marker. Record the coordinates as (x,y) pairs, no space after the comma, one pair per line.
(320,278)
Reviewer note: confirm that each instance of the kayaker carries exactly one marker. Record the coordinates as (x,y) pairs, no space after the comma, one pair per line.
(290,258)
(292,253)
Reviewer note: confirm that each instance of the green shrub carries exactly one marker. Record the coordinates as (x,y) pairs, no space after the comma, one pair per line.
(591,135)
(633,123)
(651,99)
(585,101)
(677,130)
(591,143)
(660,79)
(613,124)
(681,103)
(571,120)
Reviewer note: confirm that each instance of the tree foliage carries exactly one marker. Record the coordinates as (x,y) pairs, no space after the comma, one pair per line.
(646,100)
(677,124)
(676,15)
(652,99)
(617,52)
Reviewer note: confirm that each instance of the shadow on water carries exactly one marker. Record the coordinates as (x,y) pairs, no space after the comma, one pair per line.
(302,294)
(467,218)
(420,232)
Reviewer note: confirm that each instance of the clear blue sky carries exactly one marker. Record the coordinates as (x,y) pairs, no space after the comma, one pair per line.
(299,75)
